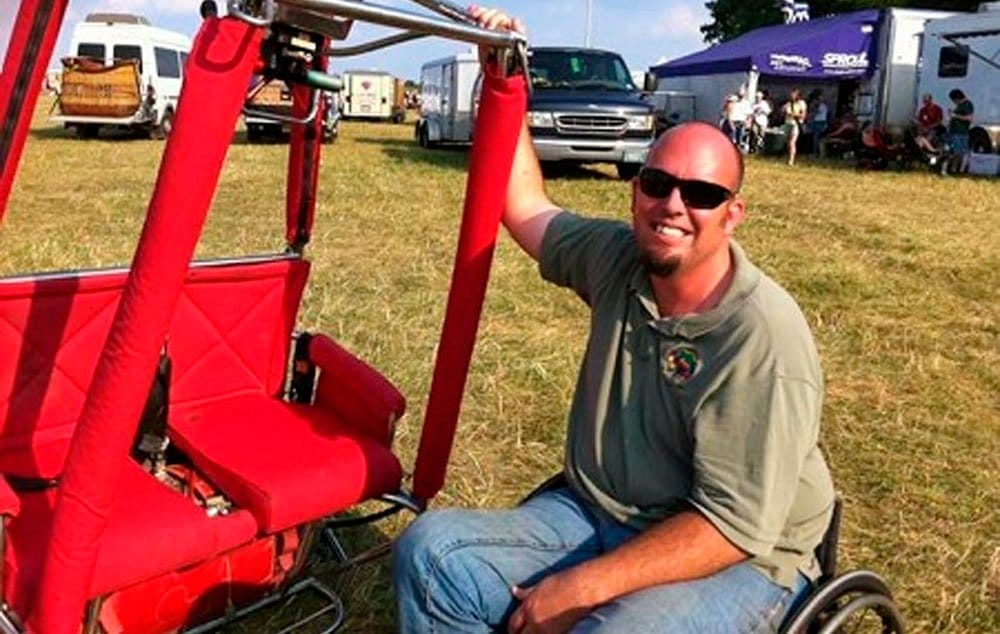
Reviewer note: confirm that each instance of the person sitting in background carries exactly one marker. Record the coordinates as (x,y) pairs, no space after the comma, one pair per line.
(929,116)
(841,135)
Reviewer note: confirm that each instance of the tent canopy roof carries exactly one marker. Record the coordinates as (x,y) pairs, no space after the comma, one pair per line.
(835,46)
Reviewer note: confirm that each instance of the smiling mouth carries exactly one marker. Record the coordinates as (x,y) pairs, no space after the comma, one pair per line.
(669,232)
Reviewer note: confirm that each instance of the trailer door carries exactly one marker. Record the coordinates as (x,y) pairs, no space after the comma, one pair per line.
(448,100)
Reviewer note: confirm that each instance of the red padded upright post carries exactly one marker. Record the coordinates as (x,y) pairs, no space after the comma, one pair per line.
(498,125)
(217,73)
(31,43)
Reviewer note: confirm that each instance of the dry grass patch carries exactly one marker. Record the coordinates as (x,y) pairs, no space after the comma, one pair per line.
(897,272)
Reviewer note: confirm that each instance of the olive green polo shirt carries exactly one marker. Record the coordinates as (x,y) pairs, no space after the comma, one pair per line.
(717,411)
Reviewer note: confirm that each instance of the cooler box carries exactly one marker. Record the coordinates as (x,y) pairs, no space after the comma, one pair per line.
(984,164)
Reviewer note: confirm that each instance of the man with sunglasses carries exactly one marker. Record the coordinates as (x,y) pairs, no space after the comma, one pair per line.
(695,491)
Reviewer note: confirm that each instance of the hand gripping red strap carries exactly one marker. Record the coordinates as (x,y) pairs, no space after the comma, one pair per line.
(498,125)
(216,77)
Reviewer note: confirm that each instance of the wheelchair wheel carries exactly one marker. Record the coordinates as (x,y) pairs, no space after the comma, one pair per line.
(858,601)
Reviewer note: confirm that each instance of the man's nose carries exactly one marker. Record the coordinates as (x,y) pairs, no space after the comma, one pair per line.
(673,202)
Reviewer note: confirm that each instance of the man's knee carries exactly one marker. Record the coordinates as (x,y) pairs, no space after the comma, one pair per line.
(430,538)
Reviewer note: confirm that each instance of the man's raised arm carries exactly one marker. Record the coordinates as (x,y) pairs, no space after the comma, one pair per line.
(528,209)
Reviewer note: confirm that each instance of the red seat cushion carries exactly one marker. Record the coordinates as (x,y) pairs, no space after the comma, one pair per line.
(286,463)
(152,530)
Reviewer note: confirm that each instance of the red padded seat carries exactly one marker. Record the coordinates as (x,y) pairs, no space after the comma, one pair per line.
(286,463)
(152,530)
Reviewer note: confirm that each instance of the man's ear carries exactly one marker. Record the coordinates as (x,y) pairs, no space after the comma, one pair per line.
(736,211)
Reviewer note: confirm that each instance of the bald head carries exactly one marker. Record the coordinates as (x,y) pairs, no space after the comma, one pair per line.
(707,147)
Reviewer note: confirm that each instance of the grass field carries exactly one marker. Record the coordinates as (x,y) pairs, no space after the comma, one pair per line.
(898,273)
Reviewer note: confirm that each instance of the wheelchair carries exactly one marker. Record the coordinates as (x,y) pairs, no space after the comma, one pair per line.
(855,601)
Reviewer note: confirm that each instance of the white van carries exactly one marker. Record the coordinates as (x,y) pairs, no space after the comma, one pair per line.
(95,91)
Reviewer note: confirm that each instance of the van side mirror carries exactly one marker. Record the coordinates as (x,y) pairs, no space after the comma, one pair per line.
(650,81)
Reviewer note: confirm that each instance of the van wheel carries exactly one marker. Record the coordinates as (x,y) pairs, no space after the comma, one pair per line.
(254,133)
(87,130)
(166,125)
(628,171)
(330,134)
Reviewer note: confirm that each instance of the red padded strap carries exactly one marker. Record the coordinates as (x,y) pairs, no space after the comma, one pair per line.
(217,75)
(497,128)
(303,165)
(28,53)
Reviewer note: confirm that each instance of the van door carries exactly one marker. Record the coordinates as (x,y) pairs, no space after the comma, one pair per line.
(166,79)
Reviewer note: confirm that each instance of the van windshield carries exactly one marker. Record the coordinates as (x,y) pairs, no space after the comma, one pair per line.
(579,70)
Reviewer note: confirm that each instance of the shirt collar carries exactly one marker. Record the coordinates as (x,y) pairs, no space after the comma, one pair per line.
(745,280)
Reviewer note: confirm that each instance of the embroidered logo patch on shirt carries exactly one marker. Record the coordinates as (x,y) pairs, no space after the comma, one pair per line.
(680,363)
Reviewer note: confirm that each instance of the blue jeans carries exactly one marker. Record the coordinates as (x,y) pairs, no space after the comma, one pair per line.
(453,571)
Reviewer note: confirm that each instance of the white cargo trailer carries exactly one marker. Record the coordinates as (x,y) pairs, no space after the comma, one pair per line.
(368,94)
(447,99)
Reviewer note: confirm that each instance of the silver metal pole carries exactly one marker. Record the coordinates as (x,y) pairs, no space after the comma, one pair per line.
(590,16)
(408,20)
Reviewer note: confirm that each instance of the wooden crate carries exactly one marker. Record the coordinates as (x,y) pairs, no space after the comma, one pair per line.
(90,89)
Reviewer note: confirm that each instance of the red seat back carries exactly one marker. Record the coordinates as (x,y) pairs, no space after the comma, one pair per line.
(229,335)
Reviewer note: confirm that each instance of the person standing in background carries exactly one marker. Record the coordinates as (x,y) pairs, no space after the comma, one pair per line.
(819,116)
(795,111)
(959,124)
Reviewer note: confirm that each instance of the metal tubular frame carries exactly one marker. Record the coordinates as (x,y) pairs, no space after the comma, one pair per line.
(387,16)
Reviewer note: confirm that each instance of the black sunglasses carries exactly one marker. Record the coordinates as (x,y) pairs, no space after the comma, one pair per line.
(656,183)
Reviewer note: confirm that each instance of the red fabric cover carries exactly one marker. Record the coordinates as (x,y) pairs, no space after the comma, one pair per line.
(52,330)
(10,505)
(354,392)
(286,463)
(194,595)
(217,74)
(151,530)
(304,151)
(23,72)
(230,335)
(498,125)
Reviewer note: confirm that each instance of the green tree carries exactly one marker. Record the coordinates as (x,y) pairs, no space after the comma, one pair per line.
(731,18)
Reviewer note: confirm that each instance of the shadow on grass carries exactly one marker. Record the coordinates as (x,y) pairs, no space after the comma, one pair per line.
(56,133)
(575,172)
(455,157)
(371,140)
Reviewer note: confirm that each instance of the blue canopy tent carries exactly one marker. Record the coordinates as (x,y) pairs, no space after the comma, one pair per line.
(836,47)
